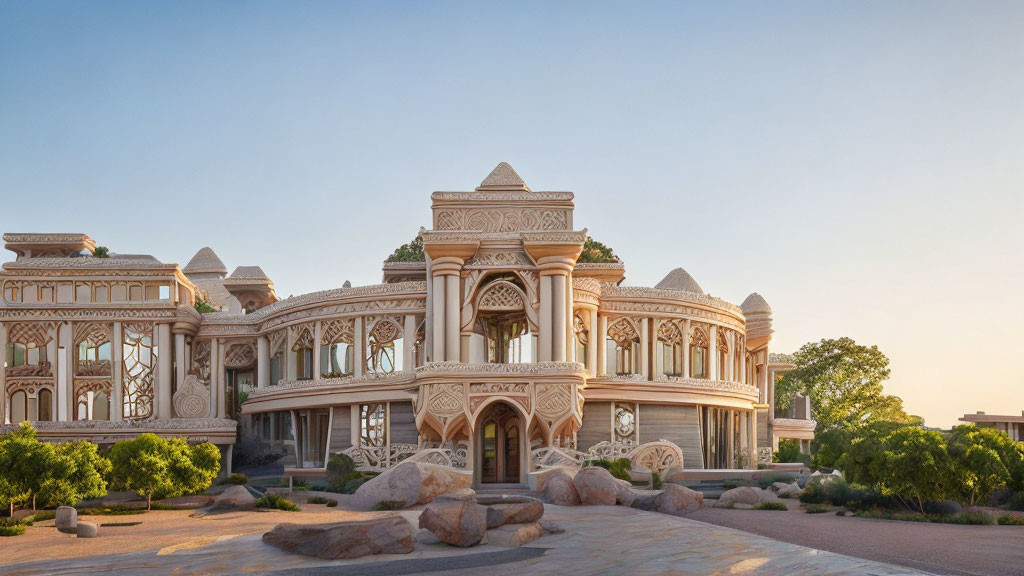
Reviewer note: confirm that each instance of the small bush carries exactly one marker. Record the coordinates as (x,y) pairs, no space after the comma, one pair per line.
(12,530)
(602,462)
(301,485)
(277,502)
(389,505)
(332,503)
(339,468)
(620,469)
(40,515)
(770,506)
(972,517)
(1016,502)
(321,500)
(819,491)
(1008,520)
(238,479)
(860,498)
(816,509)
(731,483)
(352,485)
(656,480)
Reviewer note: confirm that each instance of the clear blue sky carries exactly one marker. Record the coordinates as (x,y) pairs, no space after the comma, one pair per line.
(861,165)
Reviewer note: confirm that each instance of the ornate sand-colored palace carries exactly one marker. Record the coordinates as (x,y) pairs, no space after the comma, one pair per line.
(499,350)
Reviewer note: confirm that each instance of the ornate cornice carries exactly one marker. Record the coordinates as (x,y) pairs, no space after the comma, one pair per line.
(374,378)
(65,312)
(508,196)
(172,424)
(433,368)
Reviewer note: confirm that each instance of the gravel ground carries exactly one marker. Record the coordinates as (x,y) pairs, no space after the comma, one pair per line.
(937,548)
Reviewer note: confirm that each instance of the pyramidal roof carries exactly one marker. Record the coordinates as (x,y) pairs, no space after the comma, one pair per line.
(679,279)
(206,260)
(754,304)
(503,177)
(248,273)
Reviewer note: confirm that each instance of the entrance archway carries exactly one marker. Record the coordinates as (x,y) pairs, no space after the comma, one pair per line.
(499,439)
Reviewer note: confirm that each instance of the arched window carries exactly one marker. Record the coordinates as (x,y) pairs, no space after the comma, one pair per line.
(19,407)
(337,349)
(579,328)
(384,348)
(501,320)
(45,405)
(302,354)
(670,347)
(699,361)
(623,348)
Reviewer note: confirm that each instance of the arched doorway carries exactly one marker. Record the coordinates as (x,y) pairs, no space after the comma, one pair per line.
(499,438)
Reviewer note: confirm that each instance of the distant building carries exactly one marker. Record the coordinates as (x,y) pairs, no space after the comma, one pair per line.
(1012,425)
(496,350)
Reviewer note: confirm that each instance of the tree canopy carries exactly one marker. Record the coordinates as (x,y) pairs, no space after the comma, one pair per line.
(158,467)
(596,252)
(844,382)
(411,252)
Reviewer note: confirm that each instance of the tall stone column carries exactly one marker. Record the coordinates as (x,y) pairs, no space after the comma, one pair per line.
(731,451)
(216,376)
(117,374)
(437,315)
(592,343)
(409,340)
(743,363)
(602,345)
(645,348)
(544,338)
(317,337)
(180,360)
(686,348)
(222,384)
(752,431)
(452,325)
(262,362)
(164,363)
(65,372)
(558,319)
(359,341)
(656,352)
(713,352)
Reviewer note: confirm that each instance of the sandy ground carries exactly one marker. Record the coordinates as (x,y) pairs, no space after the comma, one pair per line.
(166,530)
(936,548)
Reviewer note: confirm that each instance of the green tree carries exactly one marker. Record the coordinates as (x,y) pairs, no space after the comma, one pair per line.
(844,382)
(157,467)
(985,459)
(25,465)
(77,472)
(411,252)
(596,252)
(789,451)
(860,459)
(915,465)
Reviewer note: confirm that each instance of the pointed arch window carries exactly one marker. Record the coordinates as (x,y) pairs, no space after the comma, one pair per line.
(699,351)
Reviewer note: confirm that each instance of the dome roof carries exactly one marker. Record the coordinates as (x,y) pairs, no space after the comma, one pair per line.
(679,279)
(755,304)
(206,260)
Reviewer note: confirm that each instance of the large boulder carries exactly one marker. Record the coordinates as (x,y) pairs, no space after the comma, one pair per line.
(456,522)
(512,510)
(560,489)
(412,483)
(784,490)
(740,497)
(674,498)
(66,519)
(234,497)
(85,530)
(538,480)
(514,535)
(624,495)
(596,486)
(390,534)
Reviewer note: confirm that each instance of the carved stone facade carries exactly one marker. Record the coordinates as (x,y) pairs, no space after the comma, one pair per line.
(497,342)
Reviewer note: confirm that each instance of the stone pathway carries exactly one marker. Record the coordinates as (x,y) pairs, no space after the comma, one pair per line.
(598,540)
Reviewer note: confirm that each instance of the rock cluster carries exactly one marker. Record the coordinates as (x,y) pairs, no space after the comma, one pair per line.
(594,485)
(412,483)
(461,519)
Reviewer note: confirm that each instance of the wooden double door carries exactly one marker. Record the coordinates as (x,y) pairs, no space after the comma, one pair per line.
(499,441)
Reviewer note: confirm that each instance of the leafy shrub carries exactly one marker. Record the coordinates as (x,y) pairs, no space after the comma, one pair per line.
(101,252)
(1008,520)
(238,479)
(602,462)
(321,500)
(770,506)
(389,505)
(339,467)
(816,509)
(656,481)
(352,485)
(620,469)
(789,451)
(861,498)
(156,467)
(40,515)
(12,530)
(332,503)
(1016,502)
(730,483)
(203,307)
(974,517)
(822,489)
(275,501)
(411,252)
(300,485)
(596,252)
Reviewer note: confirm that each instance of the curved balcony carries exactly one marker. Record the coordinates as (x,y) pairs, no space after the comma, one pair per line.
(288,394)
(794,428)
(672,390)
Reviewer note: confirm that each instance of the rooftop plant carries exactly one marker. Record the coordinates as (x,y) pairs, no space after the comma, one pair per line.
(411,252)
(596,252)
